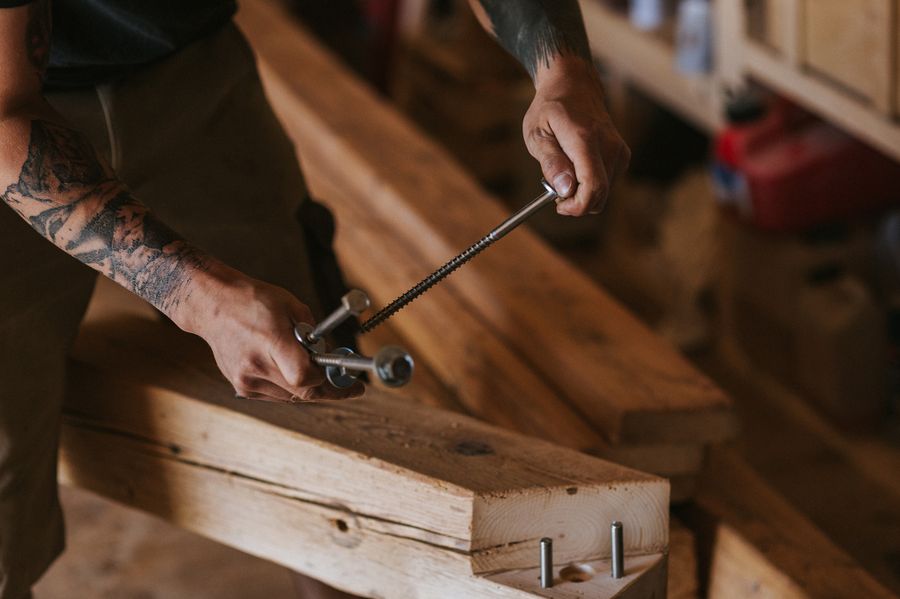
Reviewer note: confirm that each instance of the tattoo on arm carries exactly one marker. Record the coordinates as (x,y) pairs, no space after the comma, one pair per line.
(37,35)
(537,31)
(73,199)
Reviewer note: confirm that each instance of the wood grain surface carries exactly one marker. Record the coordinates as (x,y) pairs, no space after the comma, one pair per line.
(620,377)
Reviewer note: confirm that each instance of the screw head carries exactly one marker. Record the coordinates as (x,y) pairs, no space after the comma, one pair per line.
(394,366)
(355,301)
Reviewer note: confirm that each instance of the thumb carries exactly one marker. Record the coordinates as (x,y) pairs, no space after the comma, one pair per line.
(555,165)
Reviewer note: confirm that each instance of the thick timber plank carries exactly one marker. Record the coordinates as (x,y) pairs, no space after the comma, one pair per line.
(430,476)
(627,382)
(477,372)
(323,540)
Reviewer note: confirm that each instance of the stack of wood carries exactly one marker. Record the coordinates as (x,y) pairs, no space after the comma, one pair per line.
(519,337)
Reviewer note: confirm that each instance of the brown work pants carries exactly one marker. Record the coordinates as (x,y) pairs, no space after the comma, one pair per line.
(195,139)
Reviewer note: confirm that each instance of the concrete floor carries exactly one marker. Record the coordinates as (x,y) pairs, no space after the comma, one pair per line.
(117,553)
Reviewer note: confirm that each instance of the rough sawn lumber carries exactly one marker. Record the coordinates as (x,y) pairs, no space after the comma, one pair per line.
(477,373)
(377,497)
(622,378)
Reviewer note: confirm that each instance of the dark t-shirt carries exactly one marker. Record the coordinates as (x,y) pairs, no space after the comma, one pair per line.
(99,40)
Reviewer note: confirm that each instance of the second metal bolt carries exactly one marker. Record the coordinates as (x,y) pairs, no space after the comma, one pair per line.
(353,303)
(618,550)
(546,563)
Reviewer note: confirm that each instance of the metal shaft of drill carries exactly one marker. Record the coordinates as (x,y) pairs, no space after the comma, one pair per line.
(426,284)
(431,280)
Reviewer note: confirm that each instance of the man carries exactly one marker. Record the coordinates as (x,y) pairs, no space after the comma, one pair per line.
(146,118)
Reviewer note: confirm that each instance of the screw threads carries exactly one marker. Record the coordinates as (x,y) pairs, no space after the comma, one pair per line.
(346,360)
(426,284)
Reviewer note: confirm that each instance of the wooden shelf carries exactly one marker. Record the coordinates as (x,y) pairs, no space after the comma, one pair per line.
(840,107)
(648,61)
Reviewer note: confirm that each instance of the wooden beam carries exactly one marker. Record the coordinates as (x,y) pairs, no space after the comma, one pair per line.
(373,492)
(488,379)
(612,370)
(426,388)
(761,546)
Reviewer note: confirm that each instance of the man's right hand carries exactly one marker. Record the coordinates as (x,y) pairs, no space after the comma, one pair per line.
(52,177)
(250,327)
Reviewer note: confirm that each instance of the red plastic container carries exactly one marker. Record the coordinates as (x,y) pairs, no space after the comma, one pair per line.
(789,172)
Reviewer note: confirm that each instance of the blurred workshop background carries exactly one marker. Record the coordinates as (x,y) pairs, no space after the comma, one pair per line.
(758,228)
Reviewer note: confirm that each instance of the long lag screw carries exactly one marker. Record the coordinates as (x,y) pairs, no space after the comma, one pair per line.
(431,280)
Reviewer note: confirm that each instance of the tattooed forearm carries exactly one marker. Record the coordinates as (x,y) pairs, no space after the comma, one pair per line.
(37,35)
(73,199)
(536,31)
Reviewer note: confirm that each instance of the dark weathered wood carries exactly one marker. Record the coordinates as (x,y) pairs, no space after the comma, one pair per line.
(420,208)
(759,545)
(801,454)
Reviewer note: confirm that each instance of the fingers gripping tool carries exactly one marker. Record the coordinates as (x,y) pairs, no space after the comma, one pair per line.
(392,365)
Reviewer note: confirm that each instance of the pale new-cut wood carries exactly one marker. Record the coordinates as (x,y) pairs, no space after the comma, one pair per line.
(613,370)
(764,547)
(352,553)
(650,584)
(423,474)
